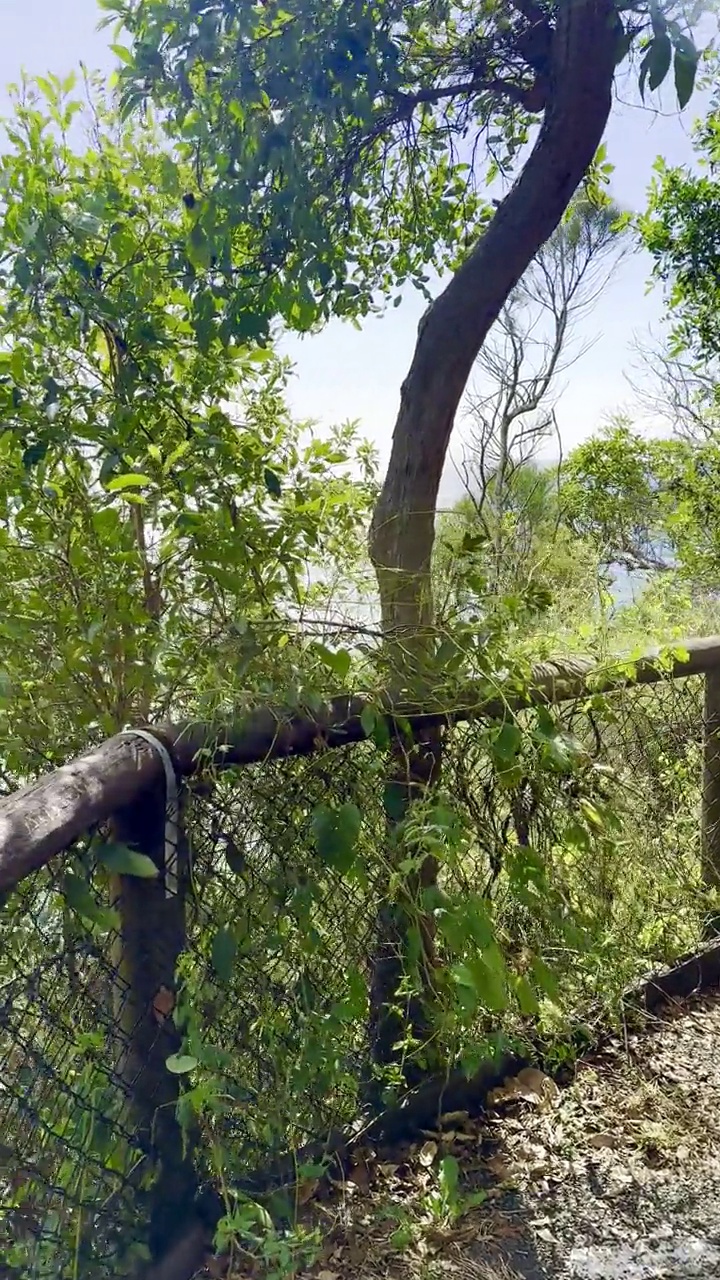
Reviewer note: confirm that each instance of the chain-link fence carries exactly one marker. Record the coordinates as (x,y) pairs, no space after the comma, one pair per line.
(159,1044)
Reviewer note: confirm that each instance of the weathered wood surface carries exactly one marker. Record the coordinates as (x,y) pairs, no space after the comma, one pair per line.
(42,819)
(45,817)
(710,824)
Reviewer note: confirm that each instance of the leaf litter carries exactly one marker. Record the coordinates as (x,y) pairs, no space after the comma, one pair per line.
(615,1176)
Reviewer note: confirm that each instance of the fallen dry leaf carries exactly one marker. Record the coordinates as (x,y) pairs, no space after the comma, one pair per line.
(359,1174)
(427,1153)
(546,1234)
(538,1084)
(529,1085)
(498,1167)
(163,1003)
(305,1191)
(454,1117)
(603,1140)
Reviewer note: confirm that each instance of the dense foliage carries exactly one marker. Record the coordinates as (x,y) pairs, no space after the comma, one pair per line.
(174,546)
(158,502)
(680,229)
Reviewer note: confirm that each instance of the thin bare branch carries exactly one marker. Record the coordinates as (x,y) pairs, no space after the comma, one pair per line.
(510,406)
(677,390)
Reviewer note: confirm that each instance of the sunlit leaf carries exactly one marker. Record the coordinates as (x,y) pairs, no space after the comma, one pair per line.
(180,1064)
(131,480)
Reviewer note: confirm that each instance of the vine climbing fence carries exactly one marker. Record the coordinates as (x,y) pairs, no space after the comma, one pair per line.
(190,921)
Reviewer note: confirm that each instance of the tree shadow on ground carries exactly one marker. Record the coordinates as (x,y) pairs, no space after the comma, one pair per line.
(614,1177)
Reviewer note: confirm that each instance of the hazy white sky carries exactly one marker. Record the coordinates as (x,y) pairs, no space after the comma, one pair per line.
(343,373)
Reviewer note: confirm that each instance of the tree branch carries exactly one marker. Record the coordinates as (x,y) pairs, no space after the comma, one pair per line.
(456,325)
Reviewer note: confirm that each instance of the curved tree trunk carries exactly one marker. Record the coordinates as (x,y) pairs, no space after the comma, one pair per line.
(450,335)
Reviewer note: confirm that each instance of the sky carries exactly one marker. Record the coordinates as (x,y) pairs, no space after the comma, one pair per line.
(342,373)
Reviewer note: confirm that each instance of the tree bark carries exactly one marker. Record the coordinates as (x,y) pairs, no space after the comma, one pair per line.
(450,336)
(454,328)
(145,953)
(710,802)
(41,820)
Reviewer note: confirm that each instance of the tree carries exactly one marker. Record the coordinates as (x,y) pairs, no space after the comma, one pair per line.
(649,504)
(549,576)
(612,489)
(163,523)
(159,509)
(334,148)
(653,503)
(332,145)
(680,229)
(511,407)
(678,389)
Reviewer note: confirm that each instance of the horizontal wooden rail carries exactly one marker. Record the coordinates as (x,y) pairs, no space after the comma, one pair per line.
(43,819)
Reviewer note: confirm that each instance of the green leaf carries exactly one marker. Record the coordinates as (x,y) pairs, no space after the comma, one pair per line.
(123,54)
(123,861)
(449,1177)
(381,733)
(79,898)
(368,720)
(339,661)
(479,925)
(235,858)
(272,483)
(448,655)
(592,814)
(544,978)
(198,246)
(660,56)
(224,950)
(484,981)
(110,463)
(507,743)
(22,271)
(34,454)
(395,801)
(526,997)
(180,1064)
(336,834)
(685,69)
(131,480)
(657,18)
(81,265)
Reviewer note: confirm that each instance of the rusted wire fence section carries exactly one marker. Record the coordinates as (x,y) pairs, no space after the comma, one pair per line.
(163,1035)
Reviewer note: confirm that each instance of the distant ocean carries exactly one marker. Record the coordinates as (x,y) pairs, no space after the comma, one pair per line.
(627,587)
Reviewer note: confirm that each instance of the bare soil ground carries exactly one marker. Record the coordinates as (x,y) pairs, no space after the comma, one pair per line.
(614,1177)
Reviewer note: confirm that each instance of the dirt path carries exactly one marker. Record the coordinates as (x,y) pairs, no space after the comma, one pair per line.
(616,1177)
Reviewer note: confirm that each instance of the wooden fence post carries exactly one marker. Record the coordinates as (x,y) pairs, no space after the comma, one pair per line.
(151,937)
(710,820)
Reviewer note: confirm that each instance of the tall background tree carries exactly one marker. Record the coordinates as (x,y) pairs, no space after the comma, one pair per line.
(335,148)
(510,406)
(651,503)
(375,113)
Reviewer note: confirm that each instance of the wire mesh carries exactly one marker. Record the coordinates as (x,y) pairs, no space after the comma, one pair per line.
(273,981)
(67,1151)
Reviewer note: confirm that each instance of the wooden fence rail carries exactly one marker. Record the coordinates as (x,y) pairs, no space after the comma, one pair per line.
(41,820)
(124,782)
